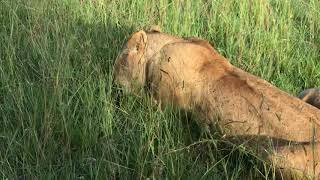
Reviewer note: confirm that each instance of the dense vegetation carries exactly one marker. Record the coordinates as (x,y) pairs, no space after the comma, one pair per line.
(59,116)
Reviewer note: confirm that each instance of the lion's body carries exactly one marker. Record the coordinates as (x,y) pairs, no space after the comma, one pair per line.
(197,79)
(191,75)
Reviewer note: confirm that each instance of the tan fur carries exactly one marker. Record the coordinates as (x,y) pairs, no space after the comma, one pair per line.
(302,157)
(131,74)
(202,43)
(191,75)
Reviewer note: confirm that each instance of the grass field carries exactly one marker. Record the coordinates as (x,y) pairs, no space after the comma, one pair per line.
(58,113)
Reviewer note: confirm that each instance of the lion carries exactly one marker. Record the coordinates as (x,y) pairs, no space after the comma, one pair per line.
(191,75)
(127,72)
(311,96)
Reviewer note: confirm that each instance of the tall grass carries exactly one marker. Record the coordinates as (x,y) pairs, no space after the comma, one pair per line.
(59,118)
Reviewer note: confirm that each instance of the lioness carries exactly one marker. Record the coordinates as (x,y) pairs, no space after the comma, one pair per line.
(311,96)
(191,75)
(126,72)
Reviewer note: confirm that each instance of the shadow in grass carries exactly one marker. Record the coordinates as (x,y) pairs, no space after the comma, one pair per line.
(56,94)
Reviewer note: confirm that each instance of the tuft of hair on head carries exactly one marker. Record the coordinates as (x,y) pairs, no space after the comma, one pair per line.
(154,29)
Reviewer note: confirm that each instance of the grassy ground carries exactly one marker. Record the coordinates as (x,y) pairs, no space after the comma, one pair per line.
(58,114)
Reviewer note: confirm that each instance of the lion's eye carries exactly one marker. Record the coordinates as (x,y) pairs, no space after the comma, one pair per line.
(137,47)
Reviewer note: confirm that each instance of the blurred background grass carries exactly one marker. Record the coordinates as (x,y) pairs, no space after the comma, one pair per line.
(58,114)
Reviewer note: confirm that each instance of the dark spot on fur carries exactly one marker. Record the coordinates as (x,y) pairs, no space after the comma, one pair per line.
(164,71)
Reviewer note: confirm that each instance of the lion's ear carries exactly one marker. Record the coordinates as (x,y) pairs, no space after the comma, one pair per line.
(138,41)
